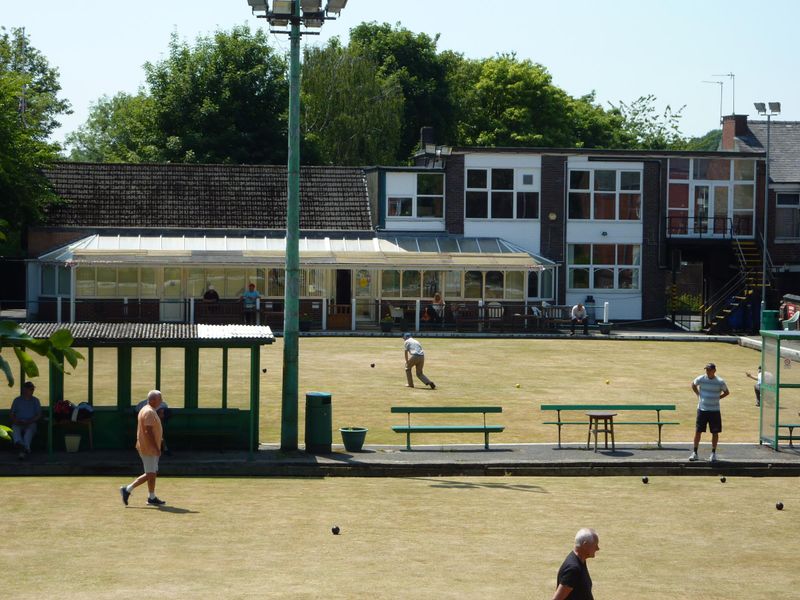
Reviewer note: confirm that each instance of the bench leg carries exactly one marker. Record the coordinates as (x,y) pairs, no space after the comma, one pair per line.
(791,445)
(659,434)
(485,440)
(559,436)
(408,440)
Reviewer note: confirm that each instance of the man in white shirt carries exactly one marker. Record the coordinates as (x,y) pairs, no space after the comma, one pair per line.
(415,358)
(710,389)
(579,316)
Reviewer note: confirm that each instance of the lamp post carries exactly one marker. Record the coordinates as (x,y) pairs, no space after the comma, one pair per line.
(774,110)
(293,14)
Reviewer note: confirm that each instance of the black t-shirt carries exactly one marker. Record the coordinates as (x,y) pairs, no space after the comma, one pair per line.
(575,574)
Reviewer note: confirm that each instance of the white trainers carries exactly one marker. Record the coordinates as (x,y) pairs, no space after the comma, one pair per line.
(713,457)
(693,456)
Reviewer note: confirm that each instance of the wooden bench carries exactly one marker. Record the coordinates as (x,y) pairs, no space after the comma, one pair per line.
(556,316)
(609,407)
(408,429)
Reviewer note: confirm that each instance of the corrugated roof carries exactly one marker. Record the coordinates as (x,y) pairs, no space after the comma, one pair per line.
(784,151)
(205,196)
(148,332)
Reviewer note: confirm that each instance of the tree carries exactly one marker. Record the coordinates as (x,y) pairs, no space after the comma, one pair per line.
(412,60)
(649,129)
(709,142)
(223,100)
(351,115)
(28,110)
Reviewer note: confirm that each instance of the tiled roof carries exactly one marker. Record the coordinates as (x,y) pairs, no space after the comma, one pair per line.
(784,150)
(205,196)
(108,332)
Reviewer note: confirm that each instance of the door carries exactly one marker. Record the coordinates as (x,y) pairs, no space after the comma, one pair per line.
(365,295)
(711,210)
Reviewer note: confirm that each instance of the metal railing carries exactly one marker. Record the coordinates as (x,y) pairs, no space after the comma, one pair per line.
(710,227)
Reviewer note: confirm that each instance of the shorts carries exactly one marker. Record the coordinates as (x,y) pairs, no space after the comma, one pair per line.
(712,418)
(150,463)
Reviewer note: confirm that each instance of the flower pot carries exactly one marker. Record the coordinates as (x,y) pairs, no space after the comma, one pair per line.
(605,328)
(72,442)
(386,326)
(353,438)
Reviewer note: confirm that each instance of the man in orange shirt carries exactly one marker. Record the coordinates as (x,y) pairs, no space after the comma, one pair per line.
(148,443)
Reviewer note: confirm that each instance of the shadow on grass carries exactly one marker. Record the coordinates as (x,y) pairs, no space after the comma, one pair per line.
(470,485)
(170,509)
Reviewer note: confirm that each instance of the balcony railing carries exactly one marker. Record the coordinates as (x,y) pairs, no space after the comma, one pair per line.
(710,227)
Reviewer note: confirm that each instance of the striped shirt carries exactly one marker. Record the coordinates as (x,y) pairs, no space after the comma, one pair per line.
(710,389)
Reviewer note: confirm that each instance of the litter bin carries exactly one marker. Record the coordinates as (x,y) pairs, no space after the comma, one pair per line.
(769,320)
(319,422)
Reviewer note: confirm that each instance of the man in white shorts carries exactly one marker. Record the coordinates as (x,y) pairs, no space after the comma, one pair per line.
(148,443)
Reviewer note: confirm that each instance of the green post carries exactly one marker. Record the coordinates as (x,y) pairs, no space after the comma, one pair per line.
(225,377)
(255,364)
(291,299)
(56,392)
(124,354)
(158,368)
(191,374)
(90,377)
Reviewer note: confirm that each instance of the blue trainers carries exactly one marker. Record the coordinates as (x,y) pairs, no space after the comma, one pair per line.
(155,502)
(125,495)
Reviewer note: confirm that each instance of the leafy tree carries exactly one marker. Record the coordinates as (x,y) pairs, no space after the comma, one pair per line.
(351,116)
(649,129)
(412,60)
(223,100)
(28,110)
(709,142)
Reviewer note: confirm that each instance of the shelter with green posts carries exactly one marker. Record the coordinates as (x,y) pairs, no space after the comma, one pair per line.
(209,375)
(780,387)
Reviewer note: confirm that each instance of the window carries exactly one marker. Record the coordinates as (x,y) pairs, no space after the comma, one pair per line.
(603,266)
(787,221)
(492,194)
(55,280)
(540,284)
(605,195)
(428,203)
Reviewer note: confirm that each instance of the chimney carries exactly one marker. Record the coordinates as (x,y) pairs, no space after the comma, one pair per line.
(733,126)
(426,136)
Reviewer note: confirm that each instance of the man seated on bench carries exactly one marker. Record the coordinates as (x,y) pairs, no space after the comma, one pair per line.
(579,316)
(26,410)
(164,413)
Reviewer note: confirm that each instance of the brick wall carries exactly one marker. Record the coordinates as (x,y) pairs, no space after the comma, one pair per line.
(454,194)
(654,290)
(552,201)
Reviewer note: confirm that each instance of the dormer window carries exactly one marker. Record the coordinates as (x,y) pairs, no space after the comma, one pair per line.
(421,198)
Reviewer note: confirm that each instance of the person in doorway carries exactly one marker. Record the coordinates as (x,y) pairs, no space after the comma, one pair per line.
(211,295)
(250,301)
(580,317)
(148,444)
(573,581)
(709,389)
(757,386)
(26,410)
(415,359)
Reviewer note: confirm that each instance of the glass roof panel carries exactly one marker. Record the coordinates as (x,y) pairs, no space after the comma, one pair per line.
(469,245)
(489,245)
(408,244)
(448,245)
(428,245)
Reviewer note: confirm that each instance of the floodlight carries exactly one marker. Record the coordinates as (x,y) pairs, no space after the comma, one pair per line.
(760,107)
(335,6)
(282,7)
(775,107)
(314,19)
(311,6)
(258,5)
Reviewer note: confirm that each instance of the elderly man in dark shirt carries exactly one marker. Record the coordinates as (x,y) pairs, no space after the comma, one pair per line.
(26,410)
(573,580)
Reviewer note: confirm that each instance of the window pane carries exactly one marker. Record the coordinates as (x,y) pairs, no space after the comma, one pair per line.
(533,284)
(147,277)
(430,207)
(216,277)
(400,207)
(106,281)
(390,283)
(49,280)
(630,180)
(743,197)
(84,281)
(604,206)
(679,168)
(579,180)
(515,285)
(628,254)
(630,207)
(605,181)
(527,205)
(603,254)
(547,283)
(411,284)
(788,199)
(678,195)
(195,282)
(629,279)
(502,179)
(258,276)
(494,284)
(477,205)
(579,278)
(430,184)
(63,281)
(502,205)
(787,223)
(452,282)
(580,254)
(604,279)
(276,281)
(476,178)
(473,284)
(431,283)
(128,282)
(744,170)
(712,168)
(579,205)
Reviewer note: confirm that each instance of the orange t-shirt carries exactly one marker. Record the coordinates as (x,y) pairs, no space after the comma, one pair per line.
(148,417)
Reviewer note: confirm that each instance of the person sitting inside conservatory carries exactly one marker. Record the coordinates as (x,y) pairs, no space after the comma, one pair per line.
(434,312)
(211,294)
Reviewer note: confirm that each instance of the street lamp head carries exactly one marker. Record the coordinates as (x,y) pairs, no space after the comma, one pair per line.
(775,108)
(335,6)
(282,7)
(258,5)
(760,107)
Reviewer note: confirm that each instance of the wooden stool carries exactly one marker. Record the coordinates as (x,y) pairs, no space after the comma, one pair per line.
(607,419)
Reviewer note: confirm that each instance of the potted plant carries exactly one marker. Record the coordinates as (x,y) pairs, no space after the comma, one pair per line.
(387,323)
(604,327)
(304,322)
(353,438)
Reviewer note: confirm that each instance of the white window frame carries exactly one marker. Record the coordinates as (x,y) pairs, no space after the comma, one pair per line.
(616,267)
(518,175)
(783,207)
(415,197)
(618,191)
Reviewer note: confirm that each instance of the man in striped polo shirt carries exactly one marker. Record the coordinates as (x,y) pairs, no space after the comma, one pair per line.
(710,389)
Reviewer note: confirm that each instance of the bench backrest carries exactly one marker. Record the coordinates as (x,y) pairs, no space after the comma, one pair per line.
(446,409)
(607,407)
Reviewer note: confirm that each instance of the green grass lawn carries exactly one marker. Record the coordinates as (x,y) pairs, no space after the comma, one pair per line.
(466,371)
(437,538)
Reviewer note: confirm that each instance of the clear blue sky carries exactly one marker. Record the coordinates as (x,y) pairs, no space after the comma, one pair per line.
(622,49)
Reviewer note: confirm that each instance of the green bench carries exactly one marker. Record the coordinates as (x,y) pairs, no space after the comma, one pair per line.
(658,408)
(408,429)
(790,437)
